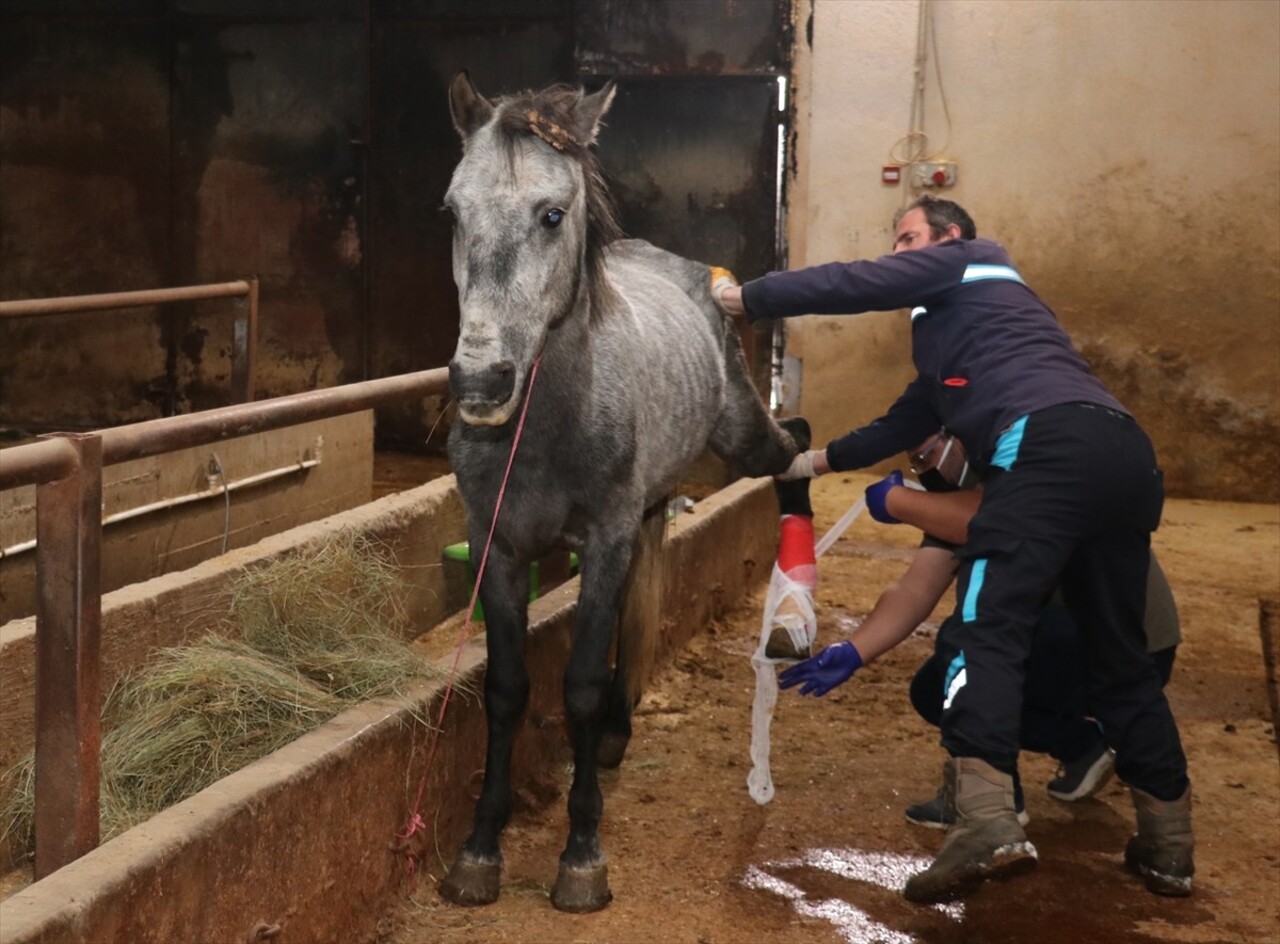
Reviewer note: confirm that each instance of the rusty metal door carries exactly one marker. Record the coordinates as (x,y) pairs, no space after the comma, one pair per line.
(694,142)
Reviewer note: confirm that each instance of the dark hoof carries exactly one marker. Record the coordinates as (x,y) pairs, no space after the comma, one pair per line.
(781,646)
(580,890)
(613,747)
(798,427)
(472,881)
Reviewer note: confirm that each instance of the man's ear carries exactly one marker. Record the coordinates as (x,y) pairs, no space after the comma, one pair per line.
(953,231)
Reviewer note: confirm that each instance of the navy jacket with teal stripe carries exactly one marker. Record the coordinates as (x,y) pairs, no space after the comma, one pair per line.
(986,349)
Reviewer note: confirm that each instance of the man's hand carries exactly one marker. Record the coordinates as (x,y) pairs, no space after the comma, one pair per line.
(806,465)
(877,494)
(726,292)
(829,668)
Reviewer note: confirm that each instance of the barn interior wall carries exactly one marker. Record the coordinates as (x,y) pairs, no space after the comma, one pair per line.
(1127,154)
(154,143)
(150,143)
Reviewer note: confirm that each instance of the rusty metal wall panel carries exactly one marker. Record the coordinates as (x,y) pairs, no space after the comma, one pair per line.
(173,142)
(693,165)
(692,144)
(270,10)
(268,114)
(416,49)
(496,13)
(84,165)
(676,37)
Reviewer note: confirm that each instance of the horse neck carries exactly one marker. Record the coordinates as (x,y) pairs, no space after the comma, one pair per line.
(568,346)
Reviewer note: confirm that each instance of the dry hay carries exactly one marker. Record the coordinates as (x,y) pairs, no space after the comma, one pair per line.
(304,637)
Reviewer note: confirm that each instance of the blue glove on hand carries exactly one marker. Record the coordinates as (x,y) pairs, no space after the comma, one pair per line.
(829,668)
(878,492)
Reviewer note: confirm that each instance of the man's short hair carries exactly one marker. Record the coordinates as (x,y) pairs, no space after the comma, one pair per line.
(940,213)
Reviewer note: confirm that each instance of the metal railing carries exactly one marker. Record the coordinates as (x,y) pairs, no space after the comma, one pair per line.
(244,332)
(66,469)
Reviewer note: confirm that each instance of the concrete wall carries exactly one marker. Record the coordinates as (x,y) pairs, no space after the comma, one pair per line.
(172,539)
(300,838)
(1127,154)
(169,610)
(415,526)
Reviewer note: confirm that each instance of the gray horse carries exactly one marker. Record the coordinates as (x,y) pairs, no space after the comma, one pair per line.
(638,372)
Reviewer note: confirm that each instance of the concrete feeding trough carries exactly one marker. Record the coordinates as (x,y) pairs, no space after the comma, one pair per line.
(298,845)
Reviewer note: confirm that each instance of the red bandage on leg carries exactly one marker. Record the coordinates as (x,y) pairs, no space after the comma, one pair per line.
(795,547)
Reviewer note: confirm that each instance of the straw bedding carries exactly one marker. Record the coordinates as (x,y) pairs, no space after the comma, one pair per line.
(303,638)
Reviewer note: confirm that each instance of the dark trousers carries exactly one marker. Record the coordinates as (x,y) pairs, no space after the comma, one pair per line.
(1074,507)
(1055,704)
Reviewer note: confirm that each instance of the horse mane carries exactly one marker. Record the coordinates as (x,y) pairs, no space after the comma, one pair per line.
(549,114)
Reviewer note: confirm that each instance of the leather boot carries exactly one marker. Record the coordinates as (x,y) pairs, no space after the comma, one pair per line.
(986,840)
(1161,850)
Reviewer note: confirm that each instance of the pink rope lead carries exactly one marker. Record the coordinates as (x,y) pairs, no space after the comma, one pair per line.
(415,823)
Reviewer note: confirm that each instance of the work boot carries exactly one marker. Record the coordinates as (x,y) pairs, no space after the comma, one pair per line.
(986,841)
(1161,850)
(935,814)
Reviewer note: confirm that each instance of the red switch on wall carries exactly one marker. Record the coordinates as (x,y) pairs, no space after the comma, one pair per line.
(891,174)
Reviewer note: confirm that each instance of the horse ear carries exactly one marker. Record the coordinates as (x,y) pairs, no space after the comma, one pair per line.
(589,111)
(470,109)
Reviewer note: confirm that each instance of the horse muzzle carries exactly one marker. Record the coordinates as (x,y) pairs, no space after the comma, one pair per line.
(485,393)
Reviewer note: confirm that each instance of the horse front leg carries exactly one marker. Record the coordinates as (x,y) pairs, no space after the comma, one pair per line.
(582,883)
(475,876)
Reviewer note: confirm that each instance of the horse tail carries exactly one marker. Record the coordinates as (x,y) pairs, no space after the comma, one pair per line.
(639,632)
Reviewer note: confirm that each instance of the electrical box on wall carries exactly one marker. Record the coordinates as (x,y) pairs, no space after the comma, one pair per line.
(933,174)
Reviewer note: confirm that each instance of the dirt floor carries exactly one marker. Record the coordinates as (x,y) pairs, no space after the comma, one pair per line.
(693,858)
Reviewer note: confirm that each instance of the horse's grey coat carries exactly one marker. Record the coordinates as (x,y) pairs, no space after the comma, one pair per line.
(640,372)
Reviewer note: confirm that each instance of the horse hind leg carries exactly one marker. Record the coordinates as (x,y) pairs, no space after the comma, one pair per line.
(638,627)
(793,496)
(751,441)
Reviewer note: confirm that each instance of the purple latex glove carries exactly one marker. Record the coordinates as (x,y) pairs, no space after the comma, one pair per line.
(878,492)
(829,668)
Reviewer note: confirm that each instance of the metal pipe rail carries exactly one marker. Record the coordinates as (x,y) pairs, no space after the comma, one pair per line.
(244,339)
(66,469)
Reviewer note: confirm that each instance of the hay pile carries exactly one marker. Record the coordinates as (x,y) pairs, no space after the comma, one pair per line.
(303,638)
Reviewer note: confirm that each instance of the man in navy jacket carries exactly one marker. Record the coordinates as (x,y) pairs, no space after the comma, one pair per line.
(1071,494)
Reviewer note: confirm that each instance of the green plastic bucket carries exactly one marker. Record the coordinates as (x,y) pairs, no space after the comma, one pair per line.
(462,552)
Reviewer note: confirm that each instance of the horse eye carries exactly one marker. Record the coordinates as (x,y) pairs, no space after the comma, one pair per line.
(552,218)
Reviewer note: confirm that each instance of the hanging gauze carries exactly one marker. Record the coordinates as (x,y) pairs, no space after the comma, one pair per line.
(788,630)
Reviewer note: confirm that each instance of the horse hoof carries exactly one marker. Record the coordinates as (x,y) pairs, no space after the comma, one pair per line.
(781,646)
(612,748)
(472,881)
(798,427)
(580,890)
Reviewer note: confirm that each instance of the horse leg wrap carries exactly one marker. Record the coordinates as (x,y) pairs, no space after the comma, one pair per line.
(580,889)
(788,639)
(472,881)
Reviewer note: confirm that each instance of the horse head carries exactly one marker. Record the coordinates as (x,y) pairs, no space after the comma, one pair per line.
(531,216)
